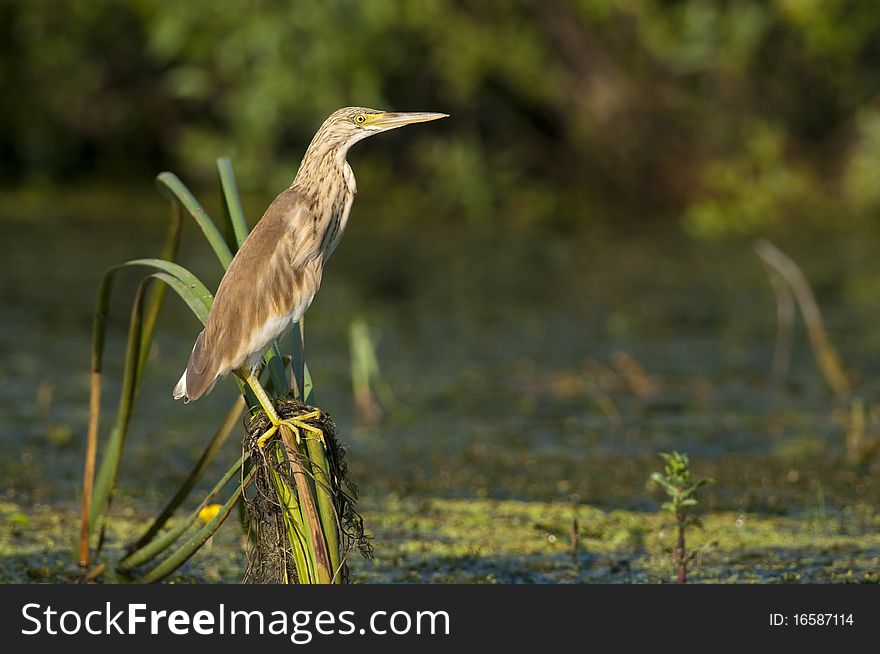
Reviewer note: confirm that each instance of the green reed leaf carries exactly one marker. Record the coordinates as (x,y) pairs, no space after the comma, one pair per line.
(232,201)
(172,188)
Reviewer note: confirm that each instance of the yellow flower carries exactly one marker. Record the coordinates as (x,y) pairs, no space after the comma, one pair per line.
(209,512)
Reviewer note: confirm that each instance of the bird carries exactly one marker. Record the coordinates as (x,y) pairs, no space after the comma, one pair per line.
(277,271)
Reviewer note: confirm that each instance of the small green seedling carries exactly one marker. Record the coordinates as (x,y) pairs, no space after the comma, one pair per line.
(681,489)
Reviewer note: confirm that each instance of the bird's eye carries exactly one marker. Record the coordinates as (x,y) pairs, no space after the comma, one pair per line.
(360,119)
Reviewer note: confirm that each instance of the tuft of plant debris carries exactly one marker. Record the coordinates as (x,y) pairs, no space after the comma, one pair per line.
(271,558)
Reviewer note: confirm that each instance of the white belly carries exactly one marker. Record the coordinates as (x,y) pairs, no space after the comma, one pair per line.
(263,338)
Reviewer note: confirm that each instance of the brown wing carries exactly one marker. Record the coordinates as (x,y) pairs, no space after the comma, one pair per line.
(265,282)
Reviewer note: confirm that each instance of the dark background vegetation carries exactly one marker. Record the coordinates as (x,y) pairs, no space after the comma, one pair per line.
(728,115)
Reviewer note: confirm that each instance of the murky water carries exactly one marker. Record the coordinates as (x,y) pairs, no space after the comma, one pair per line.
(524,366)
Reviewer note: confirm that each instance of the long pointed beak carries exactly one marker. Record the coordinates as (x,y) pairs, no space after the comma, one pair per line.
(394,120)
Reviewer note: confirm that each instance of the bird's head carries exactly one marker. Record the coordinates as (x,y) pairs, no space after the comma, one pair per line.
(347,126)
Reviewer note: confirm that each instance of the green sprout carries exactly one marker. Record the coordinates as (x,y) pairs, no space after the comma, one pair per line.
(681,489)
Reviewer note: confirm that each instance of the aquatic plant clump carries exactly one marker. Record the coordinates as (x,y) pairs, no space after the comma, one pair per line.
(275,511)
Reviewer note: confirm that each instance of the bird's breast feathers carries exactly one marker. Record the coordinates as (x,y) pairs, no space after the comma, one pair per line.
(350,181)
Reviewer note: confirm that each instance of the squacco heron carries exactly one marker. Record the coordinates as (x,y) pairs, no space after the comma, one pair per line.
(276,273)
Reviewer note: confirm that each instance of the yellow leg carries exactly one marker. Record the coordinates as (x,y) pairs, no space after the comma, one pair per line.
(262,395)
(296,424)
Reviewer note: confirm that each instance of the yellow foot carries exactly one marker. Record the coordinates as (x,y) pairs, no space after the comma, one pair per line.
(296,425)
(261,441)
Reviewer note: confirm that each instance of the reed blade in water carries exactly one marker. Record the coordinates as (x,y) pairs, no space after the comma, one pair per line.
(826,354)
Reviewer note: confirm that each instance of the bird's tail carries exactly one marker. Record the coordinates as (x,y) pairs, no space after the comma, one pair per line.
(179,391)
(200,375)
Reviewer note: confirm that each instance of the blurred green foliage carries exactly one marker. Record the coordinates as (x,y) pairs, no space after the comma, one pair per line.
(733,114)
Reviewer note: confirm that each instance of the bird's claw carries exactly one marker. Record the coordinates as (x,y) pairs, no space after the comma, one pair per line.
(261,441)
(296,425)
